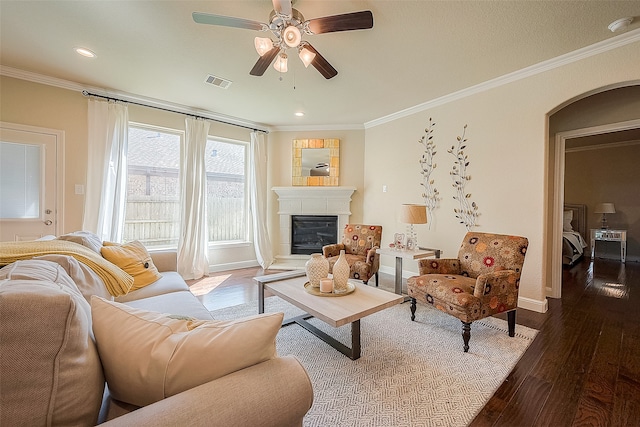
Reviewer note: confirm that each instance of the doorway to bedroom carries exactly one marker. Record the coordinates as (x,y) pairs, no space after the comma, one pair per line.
(592,140)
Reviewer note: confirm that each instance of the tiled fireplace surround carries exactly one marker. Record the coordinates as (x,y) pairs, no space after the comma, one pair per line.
(308,201)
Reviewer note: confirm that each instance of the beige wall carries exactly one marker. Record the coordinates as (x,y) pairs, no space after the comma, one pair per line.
(507,148)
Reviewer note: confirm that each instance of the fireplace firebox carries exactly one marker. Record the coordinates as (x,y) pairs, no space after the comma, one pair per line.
(309,233)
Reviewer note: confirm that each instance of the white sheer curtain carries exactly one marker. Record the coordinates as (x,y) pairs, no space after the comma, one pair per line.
(106,169)
(192,244)
(258,199)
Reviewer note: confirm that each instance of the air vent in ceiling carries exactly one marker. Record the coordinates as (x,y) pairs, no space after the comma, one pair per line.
(218,81)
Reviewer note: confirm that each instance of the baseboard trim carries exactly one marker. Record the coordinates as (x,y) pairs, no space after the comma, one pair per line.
(233,266)
(533,304)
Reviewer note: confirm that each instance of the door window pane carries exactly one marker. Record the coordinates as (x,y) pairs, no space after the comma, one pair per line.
(226,191)
(20,180)
(153,191)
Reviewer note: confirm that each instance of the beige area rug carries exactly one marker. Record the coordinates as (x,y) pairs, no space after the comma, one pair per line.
(409,374)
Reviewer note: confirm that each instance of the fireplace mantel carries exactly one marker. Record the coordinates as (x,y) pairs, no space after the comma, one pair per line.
(309,201)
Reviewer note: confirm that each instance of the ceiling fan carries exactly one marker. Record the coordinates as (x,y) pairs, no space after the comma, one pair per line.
(288,26)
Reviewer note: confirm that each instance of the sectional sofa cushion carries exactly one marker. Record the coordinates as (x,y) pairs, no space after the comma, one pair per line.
(180,353)
(134,259)
(169,281)
(51,372)
(182,303)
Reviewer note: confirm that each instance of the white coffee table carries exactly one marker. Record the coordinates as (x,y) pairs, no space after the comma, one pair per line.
(335,311)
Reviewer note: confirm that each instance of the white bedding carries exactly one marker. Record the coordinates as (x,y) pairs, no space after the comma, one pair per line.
(573,247)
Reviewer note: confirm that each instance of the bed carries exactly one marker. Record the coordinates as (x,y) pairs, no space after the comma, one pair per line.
(574,228)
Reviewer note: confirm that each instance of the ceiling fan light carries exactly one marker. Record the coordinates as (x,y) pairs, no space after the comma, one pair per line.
(281,63)
(291,36)
(263,45)
(306,56)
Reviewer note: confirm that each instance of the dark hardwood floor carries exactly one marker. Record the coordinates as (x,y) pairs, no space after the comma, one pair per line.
(583,368)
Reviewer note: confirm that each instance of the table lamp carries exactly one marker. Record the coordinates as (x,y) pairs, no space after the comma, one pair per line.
(413,214)
(604,209)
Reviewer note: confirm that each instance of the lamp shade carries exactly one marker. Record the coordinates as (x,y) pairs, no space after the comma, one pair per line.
(281,63)
(262,45)
(606,208)
(413,214)
(306,56)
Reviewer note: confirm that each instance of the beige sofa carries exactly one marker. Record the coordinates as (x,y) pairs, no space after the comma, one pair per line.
(52,371)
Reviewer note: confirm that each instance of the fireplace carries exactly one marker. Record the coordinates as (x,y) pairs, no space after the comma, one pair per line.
(309,233)
(307,201)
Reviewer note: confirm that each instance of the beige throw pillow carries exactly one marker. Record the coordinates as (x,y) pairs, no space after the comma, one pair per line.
(85,238)
(148,356)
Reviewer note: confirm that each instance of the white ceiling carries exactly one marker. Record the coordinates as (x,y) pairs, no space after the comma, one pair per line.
(417,51)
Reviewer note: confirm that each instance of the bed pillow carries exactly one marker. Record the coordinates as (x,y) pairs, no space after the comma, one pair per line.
(566,221)
(85,238)
(148,356)
(134,259)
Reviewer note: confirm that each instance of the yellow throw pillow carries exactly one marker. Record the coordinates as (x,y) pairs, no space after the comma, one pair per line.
(134,259)
(148,356)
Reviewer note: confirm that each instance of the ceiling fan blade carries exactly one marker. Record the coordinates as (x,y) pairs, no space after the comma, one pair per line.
(263,62)
(228,21)
(346,22)
(283,7)
(322,64)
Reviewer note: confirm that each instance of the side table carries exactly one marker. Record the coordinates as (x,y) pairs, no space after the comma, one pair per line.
(404,254)
(607,235)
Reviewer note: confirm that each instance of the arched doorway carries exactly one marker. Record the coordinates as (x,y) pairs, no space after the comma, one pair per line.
(604,111)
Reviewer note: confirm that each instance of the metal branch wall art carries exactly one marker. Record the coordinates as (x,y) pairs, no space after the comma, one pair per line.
(431,195)
(468,211)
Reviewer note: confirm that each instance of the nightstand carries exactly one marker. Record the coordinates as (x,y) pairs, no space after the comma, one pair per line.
(609,236)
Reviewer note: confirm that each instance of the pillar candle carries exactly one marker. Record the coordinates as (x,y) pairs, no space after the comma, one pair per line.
(326,285)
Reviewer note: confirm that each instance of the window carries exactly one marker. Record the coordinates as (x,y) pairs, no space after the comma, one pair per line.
(152,211)
(20,182)
(227,206)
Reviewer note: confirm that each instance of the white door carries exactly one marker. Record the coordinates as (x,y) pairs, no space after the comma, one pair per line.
(30,185)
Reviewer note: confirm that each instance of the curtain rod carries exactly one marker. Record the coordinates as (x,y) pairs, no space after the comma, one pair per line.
(111,98)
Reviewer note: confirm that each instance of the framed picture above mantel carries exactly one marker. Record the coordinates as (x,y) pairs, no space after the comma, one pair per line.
(316,162)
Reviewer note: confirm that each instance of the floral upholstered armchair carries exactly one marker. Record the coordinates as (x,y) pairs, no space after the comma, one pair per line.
(483,280)
(359,243)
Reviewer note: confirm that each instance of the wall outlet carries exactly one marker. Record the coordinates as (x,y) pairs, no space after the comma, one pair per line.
(384,188)
(79,189)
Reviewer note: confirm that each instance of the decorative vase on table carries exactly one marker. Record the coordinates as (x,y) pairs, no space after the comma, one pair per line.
(341,272)
(317,267)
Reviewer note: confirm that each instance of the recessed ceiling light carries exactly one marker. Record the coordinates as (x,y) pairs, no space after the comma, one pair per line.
(299,114)
(85,52)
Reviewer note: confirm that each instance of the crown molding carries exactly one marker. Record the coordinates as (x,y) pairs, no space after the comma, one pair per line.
(309,128)
(541,67)
(42,79)
(126,97)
